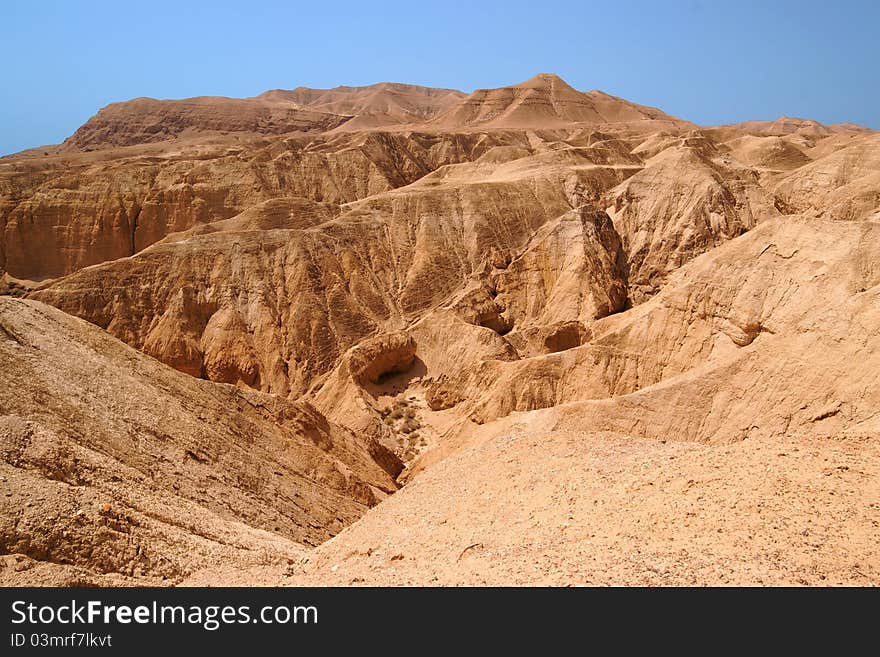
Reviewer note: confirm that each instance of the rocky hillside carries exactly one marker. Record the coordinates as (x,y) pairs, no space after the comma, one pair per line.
(298,302)
(115,465)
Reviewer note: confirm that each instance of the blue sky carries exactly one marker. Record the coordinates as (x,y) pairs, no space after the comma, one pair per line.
(707,61)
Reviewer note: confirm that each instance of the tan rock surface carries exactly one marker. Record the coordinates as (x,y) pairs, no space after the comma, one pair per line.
(842,185)
(786,125)
(64,212)
(597,343)
(282,305)
(561,508)
(685,201)
(784,493)
(782,351)
(146,120)
(547,102)
(774,153)
(114,463)
(372,106)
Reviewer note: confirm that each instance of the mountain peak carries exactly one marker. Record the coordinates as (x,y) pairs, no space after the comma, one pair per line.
(545,101)
(544,81)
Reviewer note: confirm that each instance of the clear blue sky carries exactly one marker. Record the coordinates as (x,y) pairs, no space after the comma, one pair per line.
(709,61)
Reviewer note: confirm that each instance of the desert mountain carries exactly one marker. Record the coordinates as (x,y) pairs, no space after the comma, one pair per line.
(547,102)
(583,334)
(770,152)
(386,103)
(786,125)
(146,120)
(301,110)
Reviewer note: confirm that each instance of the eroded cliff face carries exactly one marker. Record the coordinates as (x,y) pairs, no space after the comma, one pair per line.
(69,211)
(505,228)
(737,308)
(273,309)
(688,199)
(843,184)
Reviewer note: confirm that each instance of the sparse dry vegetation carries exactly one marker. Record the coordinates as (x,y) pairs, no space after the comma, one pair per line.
(402,418)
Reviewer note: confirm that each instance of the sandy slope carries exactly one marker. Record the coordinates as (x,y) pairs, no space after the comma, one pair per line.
(539,507)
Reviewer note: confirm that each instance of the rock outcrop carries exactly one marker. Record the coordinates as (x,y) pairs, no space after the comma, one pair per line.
(843,184)
(685,201)
(116,464)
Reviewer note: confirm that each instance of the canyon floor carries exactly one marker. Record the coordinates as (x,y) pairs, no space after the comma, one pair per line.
(395,335)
